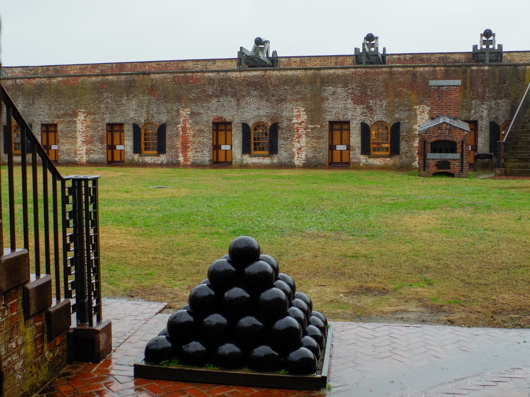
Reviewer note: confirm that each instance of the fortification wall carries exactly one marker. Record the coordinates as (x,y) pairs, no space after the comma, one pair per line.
(302,98)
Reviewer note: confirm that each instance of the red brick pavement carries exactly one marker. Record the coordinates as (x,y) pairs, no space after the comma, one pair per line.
(367,360)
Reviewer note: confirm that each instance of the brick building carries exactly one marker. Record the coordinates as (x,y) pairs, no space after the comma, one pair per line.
(314,111)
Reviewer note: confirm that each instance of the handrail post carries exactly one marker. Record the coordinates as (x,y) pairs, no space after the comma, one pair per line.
(84,245)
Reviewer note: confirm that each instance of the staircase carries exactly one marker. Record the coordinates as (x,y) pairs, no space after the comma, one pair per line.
(49,263)
(517,158)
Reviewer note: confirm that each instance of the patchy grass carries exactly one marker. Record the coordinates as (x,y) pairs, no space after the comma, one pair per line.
(365,245)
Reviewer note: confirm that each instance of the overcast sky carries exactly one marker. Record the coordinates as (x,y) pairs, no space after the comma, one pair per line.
(50,32)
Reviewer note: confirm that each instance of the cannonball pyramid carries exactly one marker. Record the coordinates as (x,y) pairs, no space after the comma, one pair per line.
(245,314)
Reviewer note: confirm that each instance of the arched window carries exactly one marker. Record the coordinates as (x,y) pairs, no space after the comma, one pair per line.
(380,138)
(149,139)
(260,138)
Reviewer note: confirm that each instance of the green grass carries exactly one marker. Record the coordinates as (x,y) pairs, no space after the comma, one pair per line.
(362,244)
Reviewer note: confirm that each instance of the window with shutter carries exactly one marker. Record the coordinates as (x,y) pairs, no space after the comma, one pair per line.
(149,139)
(260,139)
(380,139)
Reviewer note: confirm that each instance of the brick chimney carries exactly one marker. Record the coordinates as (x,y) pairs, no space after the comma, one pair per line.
(444,98)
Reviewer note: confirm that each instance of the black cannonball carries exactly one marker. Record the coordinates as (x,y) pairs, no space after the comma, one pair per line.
(301,362)
(320,316)
(181,327)
(243,251)
(299,303)
(369,37)
(311,344)
(264,359)
(272,304)
(271,261)
(305,298)
(185,307)
(285,334)
(222,275)
(193,353)
(158,349)
(205,281)
(202,300)
(488,33)
(163,332)
(299,316)
(249,332)
(315,333)
(285,288)
(228,356)
(259,276)
(289,280)
(236,303)
(214,330)
(317,322)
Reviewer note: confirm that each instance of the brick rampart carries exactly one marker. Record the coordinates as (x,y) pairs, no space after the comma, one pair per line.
(300,96)
(201,65)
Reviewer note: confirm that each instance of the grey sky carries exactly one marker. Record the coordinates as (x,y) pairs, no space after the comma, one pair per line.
(44,32)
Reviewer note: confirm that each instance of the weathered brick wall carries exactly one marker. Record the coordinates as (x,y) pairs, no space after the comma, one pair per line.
(302,101)
(28,360)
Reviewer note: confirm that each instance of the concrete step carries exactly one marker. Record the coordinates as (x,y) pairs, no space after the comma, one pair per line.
(516,164)
(517,171)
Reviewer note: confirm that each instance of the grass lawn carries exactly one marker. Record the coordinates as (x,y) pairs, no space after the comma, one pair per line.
(364,245)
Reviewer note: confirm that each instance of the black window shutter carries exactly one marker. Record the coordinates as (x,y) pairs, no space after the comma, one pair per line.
(495,136)
(6,141)
(365,139)
(395,133)
(137,137)
(246,138)
(273,139)
(161,139)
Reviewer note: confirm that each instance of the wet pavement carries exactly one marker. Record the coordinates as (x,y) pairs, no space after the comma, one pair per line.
(367,360)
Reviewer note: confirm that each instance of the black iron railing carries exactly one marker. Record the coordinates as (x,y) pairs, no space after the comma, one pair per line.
(503,146)
(54,217)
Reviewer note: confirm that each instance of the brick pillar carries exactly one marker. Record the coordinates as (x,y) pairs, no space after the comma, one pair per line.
(444,98)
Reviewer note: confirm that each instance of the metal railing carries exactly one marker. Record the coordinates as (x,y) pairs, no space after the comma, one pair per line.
(503,146)
(55,218)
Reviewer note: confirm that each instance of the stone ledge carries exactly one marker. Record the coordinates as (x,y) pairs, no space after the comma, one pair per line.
(58,318)
(14,270)
(37,295)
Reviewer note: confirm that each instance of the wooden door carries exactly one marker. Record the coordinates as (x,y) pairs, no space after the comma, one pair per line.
(50,141)
(504,130)
(222,143)
(473,140)
(115,144)
(339,143)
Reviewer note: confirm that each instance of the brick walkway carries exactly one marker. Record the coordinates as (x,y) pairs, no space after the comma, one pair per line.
(367,360)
